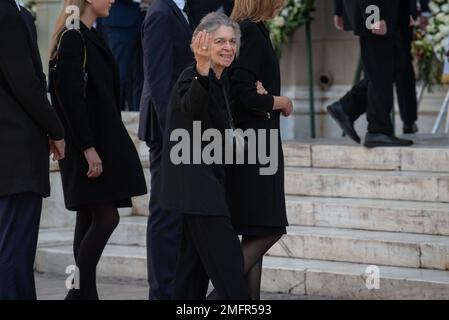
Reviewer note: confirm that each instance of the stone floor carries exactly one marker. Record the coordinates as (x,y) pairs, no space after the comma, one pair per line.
(52,287)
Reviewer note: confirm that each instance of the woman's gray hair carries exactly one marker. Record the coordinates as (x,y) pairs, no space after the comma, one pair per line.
(215,20)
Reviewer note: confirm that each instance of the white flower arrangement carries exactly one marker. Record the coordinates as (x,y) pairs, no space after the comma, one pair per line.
(438,30)
(294,15)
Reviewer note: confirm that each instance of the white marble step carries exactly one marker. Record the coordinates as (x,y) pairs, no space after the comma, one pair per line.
(333,244)
(368,184)
(359,246)
(353,213)
(368,214)
(285,275)
(430,153)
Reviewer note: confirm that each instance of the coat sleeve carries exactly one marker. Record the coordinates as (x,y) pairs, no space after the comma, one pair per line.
(424,5)
(338,8)
(158,61)
(245,71)
(193,90)
(69,87)
(19,72)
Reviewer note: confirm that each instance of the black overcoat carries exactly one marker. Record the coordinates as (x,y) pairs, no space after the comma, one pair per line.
(195,188)
(92,118)
(396,14)
(26,118)
(256,200)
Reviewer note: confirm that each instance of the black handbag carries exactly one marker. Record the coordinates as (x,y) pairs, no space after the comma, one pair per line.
(54,65)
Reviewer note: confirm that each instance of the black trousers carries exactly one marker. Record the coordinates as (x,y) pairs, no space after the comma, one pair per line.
(210,249)
(381,59)
(19,227)
(406,81)
(163,235)
(355,102)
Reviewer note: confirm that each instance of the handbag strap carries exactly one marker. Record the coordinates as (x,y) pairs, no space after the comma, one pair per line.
(84,47)
(228,108)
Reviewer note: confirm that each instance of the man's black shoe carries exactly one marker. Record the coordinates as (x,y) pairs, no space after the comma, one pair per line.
(373,140)
(410,129)
(344,121)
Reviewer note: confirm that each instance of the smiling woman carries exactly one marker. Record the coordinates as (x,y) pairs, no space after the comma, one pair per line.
(197,190)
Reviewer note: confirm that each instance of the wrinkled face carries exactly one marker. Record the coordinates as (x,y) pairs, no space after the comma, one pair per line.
(224,47)
(101,8)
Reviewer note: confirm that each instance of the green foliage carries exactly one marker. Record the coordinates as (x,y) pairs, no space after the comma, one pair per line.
(294,15)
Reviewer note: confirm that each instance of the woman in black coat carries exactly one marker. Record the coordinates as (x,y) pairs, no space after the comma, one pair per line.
(102,170)
(257,202)
(210,248)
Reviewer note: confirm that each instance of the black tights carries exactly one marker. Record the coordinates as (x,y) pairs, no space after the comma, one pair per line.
(253,248)
(94,226)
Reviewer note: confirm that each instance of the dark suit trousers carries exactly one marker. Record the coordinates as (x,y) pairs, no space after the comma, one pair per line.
(381,60)
(406,81)
(355,101)
(126,46)
(163,235)
(19,226)
(210,249)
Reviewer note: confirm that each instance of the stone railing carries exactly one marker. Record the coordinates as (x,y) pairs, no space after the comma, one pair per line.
(46,14)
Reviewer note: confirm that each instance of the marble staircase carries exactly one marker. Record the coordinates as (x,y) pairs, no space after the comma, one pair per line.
(349,208)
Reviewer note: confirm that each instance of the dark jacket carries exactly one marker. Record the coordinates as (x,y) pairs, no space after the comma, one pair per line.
(396,14)
(254,199)
(92,118)
(340,11)
(195,188)
(197,9)
(26,118)
(166,37)
(123,14)
(423,6)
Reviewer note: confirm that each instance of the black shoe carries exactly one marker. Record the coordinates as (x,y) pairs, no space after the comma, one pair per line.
(373,140)
(410,129)
(344,121)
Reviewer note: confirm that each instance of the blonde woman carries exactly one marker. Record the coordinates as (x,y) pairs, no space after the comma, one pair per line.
(101,171)
(256,202)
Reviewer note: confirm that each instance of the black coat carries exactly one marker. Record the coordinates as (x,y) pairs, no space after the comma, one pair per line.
(93,121)
(194,188)
(340,11)
(256,200)
(197,9)
(26,117)
(396,14)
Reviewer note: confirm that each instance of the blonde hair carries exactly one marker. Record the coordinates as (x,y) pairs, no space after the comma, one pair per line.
(61,22)
(255,10)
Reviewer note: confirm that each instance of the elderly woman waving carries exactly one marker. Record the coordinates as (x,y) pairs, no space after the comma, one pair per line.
(210,248)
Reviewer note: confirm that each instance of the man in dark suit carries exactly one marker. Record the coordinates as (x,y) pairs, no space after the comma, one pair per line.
(356,102)
(197,9)
(28,127)
(166,37)
(122,31)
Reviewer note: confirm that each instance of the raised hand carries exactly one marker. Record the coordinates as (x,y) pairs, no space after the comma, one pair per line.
(201,46)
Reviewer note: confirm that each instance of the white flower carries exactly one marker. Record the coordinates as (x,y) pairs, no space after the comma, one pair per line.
(434,8)
(445,8)
(279,22)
